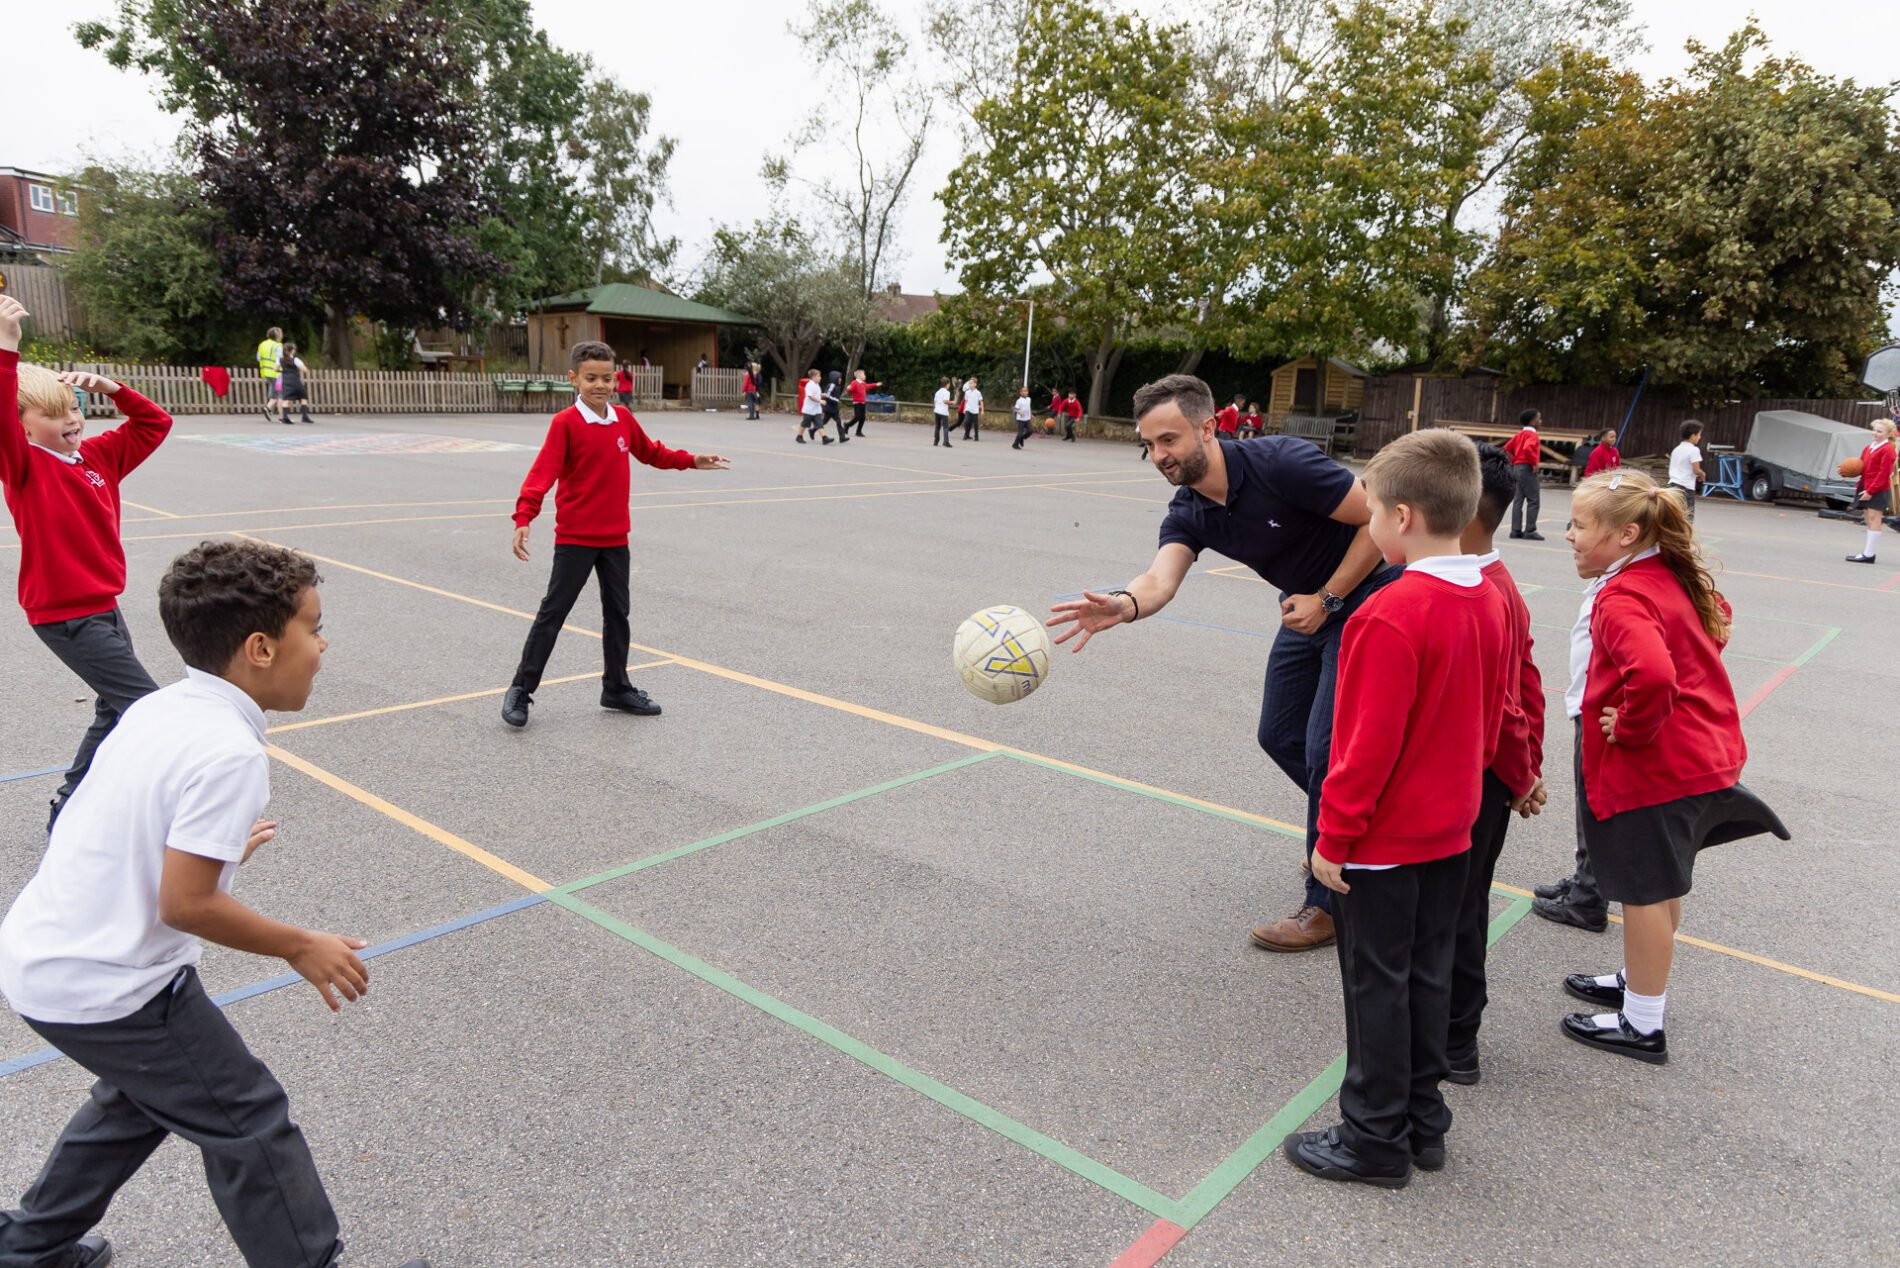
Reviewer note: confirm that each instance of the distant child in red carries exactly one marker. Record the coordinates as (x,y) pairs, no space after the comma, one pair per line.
(63,492)
(1526,451)
(1055,410)
(623,384)
(1662,743)
(1251,423)
(857,390)
(1873,494)
(1227,420)
(1513,781)
(1423,667)
(586,455)
(1072,414)
(1606,456)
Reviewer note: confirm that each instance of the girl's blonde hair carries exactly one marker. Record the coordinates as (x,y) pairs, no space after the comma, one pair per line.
(1617,498)
(40,389)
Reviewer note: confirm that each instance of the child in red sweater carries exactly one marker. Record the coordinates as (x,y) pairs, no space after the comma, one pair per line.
(586,453)
(1513,781)
(1873,492)
(1606,456)
(64,494)
(858,389)
(1662,743)
(1422,672)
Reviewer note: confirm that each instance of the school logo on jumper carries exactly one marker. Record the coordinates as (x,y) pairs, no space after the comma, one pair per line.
(623,443)
(98,481)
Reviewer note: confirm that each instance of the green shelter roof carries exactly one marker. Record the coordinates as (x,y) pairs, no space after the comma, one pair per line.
(623,299)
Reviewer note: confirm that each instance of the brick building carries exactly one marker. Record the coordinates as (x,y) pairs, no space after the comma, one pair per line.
(39,213)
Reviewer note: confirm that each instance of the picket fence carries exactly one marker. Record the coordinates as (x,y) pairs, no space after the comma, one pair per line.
(182,390)
(718,389)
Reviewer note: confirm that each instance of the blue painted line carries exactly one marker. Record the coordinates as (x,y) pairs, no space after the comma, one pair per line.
(16,1064)
(32,774)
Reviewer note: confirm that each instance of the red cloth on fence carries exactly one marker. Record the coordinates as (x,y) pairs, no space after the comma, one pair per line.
(218,379)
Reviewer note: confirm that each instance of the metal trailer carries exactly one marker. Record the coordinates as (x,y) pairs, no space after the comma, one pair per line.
(1795,454)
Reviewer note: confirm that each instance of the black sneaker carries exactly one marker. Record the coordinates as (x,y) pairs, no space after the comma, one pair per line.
(826,439)
(800,438)
(1464,1072)
(1533,537)
(1588,919)
(91,1252)
(1620,1038)
(629,700)
(1556,891)
(514,706)
(1428,1155)
(1323,1154)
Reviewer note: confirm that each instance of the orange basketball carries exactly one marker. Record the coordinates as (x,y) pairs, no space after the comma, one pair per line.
(1851,468)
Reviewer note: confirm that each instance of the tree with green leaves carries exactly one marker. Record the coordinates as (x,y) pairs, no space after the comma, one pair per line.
(774,273)
(1079,173)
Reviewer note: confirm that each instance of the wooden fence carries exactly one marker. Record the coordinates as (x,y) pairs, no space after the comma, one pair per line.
(1653,428)
(182,390)
(42,288)
(718,388)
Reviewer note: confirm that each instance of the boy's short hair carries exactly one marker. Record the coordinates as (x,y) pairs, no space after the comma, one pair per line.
(1435,472)
(217,594)
(1496,486)
(1190,395)
(41,389)
(275,332)
(588,350)
(1691,429)
(1528,417)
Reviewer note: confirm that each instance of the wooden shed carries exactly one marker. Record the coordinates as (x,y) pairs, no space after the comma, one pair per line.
(635,321)
(1315,389)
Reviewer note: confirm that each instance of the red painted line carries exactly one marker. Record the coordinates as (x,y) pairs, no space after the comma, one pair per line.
(1768,689)
(1891,582)
(1161,1238)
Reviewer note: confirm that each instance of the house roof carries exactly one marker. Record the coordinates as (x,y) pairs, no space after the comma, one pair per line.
(904,308)
(624,299)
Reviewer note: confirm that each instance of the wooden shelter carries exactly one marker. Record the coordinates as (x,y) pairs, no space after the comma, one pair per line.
(1311,388)
(635,321)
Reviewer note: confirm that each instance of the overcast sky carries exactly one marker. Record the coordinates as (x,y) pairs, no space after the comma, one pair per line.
(726,82)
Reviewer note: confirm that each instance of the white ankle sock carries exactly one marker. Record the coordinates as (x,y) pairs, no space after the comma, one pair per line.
(1610,981)
(1873,543)
(1644,1012)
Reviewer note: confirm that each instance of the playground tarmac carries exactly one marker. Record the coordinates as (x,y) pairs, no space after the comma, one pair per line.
(834,964)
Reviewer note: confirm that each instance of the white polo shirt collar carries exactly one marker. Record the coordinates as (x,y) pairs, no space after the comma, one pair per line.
(1459,570)
(70,459)
(232,694)
(589,416)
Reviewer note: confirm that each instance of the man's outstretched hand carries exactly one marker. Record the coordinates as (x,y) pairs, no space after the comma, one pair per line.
(1088,616)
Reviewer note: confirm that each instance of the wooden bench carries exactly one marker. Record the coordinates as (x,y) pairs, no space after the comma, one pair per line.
(1324,432)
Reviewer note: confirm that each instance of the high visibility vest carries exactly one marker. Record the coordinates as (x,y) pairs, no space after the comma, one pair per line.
(269,358)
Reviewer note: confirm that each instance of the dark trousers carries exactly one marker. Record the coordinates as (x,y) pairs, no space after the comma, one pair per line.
(1474,921)
(751,406)
(1688,500)
(1583,881)
(940,430)
(857,416)
(99,649)
(1023,428)
(176,1067)
(1068,426)
(1530,496)
(1296,709)
(611,564)
(1395,934)
(969,425)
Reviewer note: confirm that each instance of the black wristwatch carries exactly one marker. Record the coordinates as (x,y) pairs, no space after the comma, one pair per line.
(1333,604)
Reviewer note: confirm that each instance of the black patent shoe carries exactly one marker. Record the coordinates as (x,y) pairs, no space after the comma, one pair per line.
(1620,1038)
(1588,919)
(1860,559)
(1323,1154)
(1584,986)
(514,706)
(630,700)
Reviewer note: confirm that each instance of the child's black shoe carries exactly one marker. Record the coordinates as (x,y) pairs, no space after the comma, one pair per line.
(1585,987)
(1429,1155)
(1588,919)
(629,700)
(514,706)
(1619,1037)
(92,1252)
(1323,1154)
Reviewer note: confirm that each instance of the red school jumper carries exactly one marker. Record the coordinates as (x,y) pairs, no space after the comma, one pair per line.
(1519,761)
(1416,718)
(1876,469)
(1227,420)
(1603,458)
(858,391)
(1524,449)
(589,462)
(71,561)
(1678,731)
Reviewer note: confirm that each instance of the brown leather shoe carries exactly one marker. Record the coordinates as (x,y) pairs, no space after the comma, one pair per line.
(1304,930)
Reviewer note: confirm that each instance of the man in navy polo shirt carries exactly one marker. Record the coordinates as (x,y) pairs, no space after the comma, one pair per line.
(1298,519)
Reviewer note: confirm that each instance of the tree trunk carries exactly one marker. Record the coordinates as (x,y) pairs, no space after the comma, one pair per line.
(1102,365)
(851,361)
(336,339)
(1190,360)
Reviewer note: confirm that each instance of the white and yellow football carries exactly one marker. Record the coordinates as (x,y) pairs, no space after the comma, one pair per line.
(1002,654)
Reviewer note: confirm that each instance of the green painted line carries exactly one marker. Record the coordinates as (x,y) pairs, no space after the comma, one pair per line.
(1833,632)
(1052,1150)
(1224,1179)
(627,869)
(1153,794)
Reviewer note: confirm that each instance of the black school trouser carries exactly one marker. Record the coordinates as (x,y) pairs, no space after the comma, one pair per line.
(99,649)
(1583,878)
(1530,496)
(611,564)
(940,430)
(1068,426)
(969,425)
(1023,428)
(1474,922)
(857,416)
(176,1067)
(1395,932)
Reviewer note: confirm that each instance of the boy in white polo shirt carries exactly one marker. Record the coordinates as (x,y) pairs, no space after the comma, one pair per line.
(98,953)
(1685,465)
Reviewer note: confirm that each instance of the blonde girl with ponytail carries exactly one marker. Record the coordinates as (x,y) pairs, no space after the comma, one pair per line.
(1662,743)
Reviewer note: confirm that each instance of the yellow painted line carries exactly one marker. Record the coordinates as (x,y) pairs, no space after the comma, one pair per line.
(441,836)
(152,510)
(847,462)
(439,700)
(1093,493)
(1750,957)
